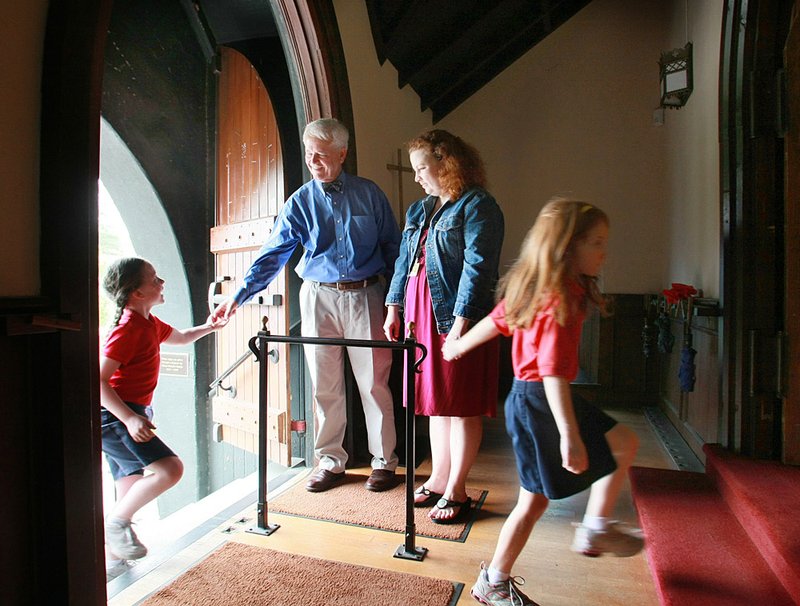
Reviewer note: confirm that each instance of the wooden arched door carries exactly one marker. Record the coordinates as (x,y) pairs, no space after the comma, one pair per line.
(759,143)
(250,193)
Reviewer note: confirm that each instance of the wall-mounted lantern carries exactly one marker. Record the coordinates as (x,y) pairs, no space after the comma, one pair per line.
(676,76)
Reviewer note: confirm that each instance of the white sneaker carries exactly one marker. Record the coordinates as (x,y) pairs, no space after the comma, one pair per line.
(620,539)
(504,593)
(117,568)
(122,541)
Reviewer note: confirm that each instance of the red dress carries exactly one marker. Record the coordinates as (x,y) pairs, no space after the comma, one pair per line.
(466,387)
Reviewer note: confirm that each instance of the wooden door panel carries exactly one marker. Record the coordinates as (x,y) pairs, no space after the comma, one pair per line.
(250,193)
(791,402)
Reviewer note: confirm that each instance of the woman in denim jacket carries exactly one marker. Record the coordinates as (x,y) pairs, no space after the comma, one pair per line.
(443,282)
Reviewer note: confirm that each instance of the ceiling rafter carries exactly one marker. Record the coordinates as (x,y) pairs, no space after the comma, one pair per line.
(447,51)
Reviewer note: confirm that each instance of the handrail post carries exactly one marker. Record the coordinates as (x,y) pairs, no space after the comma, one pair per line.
(262,527)
(408,550)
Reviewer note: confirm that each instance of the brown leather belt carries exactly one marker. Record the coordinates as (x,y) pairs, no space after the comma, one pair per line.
(350,285)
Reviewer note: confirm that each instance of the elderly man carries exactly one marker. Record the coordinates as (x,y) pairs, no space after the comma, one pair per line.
(351,238)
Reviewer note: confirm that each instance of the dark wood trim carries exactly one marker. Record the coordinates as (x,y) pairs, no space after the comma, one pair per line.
(66,521)
(375,28)
(315,57)
(752,222)
(731,138)
(24,305)
(791,412)
(335,67)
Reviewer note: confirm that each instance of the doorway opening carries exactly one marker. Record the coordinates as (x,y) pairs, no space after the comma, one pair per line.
(132,222)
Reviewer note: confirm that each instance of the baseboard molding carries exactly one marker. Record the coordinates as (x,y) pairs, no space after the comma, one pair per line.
(672,441)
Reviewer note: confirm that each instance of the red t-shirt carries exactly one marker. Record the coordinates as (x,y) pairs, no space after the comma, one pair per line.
(136,344)
(546,349)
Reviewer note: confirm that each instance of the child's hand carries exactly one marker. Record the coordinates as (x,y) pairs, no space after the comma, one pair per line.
(141,428)
(451,350)
(225,309)
(573,453)
(217,322)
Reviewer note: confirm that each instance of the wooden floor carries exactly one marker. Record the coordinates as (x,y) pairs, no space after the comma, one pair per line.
(553,574)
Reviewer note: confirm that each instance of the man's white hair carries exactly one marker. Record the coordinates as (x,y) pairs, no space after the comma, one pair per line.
(329,130)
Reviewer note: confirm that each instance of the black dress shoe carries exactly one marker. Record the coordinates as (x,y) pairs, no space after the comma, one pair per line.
(323,479)
(380,480)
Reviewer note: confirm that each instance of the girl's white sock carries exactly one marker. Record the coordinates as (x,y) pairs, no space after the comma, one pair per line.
(119,521)
(596,523)
(496,576)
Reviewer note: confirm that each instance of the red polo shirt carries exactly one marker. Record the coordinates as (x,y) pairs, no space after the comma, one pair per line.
(546,349)
(136,344)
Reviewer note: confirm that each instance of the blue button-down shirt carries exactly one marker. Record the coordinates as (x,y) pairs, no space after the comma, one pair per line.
(347,236)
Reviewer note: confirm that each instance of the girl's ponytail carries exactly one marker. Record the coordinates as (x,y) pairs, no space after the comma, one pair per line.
(122,278)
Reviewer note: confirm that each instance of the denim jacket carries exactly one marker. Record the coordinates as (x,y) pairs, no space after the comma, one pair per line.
(462,255)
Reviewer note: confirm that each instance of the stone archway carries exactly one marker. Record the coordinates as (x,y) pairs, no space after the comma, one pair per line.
(313,48)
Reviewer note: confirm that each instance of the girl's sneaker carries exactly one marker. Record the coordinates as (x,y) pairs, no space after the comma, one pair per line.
(117,568)
(620,539)
(504,593)
(122,541)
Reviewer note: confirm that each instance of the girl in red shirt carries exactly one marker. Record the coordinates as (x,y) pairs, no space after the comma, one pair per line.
(129,366)
(562,444)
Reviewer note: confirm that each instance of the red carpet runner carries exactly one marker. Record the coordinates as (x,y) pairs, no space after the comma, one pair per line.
(730,536)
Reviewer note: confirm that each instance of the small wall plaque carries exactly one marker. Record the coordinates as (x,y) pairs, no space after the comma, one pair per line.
(175,364)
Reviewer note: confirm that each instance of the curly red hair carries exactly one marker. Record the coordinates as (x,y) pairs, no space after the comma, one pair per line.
(461,164)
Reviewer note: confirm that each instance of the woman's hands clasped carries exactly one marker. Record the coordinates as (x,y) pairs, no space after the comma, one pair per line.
(391,326)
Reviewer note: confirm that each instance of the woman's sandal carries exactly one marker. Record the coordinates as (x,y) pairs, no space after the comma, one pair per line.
(463,510)
(430,497)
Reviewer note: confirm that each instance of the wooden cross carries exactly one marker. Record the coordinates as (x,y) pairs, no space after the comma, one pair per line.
(400,170)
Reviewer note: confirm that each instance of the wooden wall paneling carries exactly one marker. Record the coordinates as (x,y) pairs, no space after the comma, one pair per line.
(589,350)
(670,388)
(702,412)
(629,361)
(697,414)
(625,377)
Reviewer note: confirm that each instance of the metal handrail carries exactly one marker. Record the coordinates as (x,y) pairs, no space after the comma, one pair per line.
(218,381)
(258,345)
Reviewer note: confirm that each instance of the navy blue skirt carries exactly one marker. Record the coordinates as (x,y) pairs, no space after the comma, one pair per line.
(536,440)
(125,456)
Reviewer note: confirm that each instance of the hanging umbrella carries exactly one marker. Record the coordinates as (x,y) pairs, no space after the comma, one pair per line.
(686,371)
(665,337)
